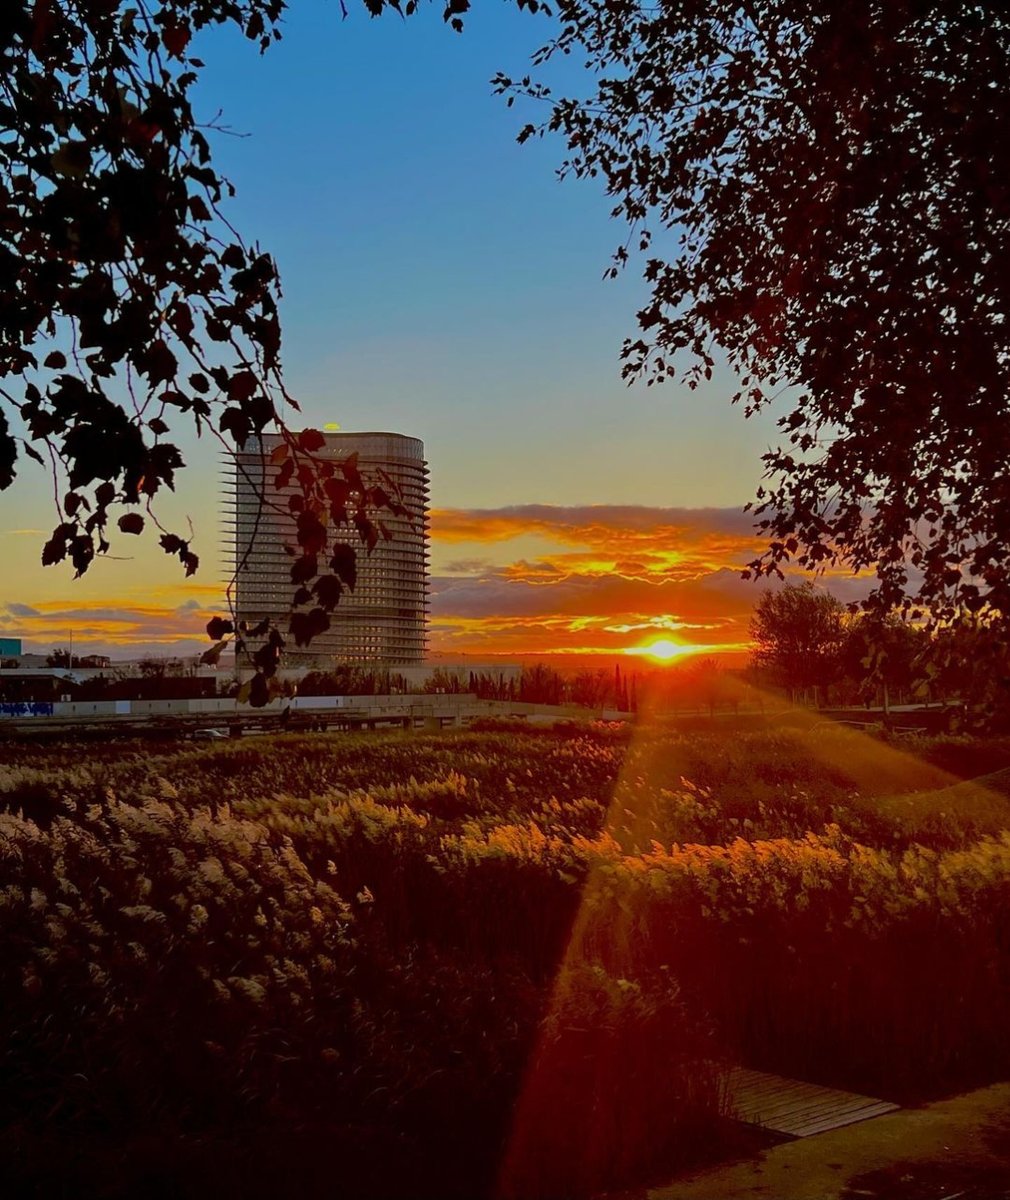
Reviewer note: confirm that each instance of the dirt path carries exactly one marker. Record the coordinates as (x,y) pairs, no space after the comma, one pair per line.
(953,1148)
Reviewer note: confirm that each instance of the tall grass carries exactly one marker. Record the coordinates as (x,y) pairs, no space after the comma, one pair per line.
(439,948)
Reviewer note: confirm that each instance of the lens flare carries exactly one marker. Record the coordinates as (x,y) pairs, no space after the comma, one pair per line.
(663,650)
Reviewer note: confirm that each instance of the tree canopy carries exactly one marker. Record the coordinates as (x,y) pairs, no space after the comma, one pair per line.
(122,308)
(128,303)
(821,194)
(799,634)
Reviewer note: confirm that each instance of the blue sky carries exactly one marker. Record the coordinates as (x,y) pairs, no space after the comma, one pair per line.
(438,281)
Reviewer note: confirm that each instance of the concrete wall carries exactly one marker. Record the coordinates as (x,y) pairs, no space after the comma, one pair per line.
(418,707)
(228,707)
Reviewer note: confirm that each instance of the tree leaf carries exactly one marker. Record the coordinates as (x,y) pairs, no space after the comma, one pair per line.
(210,657)
(175,38)
(72,160)
(344,562)
(8,454)
(328,589)
(303,569)
(131,522)
(307,625)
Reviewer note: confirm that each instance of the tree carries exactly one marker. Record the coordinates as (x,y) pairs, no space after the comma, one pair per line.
(799,634)
(891,654)
(821,192)
(590,689)
(113,274)
(705,681)
(153,668)
(960,666)
(540,684)
(443,682)
(128,304)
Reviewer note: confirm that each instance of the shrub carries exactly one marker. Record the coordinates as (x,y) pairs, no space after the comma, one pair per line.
(388,943)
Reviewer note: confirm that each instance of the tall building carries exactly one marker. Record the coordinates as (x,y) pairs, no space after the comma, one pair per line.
(383,621)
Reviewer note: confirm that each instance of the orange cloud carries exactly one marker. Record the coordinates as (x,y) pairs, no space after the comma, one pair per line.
(114,626)
(619,576)
(556,636)
(633,541)
(510,612)
(592,579)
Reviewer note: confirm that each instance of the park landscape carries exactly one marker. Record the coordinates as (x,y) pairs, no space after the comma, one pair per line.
(505,961)
(756,818)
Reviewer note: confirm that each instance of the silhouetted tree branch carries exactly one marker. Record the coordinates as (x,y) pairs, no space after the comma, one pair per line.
(821,194)
(129,306)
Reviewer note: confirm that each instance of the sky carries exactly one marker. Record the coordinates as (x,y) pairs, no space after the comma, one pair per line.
(440,281)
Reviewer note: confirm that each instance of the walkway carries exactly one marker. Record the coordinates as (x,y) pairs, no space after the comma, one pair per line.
(952,1148)
(794,1108)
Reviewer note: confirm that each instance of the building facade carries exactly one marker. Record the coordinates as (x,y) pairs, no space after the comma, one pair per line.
(383,621)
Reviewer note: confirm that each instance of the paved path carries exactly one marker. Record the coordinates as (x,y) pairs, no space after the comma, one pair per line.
(953,1148)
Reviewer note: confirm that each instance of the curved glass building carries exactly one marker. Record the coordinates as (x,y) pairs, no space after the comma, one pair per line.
(384,620)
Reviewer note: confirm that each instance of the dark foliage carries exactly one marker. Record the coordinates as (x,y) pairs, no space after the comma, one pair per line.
(822,195)
(128,304)
(114,277)
(393,965)
(799,634)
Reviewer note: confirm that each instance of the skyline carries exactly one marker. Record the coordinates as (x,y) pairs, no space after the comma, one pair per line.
(438,282)
(514,582)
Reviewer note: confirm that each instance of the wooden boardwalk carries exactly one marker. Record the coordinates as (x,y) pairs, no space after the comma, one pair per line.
(794,1108)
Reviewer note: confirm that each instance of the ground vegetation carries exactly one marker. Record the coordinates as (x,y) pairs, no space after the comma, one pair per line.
(251,953)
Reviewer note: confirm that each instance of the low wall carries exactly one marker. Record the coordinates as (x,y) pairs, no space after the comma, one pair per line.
(367,708)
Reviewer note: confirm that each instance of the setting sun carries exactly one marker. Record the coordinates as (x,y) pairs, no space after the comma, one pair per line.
(663,650)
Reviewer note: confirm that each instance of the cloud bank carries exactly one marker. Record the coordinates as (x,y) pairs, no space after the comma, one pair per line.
(608,577)
(514,581)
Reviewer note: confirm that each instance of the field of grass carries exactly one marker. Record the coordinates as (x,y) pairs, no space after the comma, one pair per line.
(502,961)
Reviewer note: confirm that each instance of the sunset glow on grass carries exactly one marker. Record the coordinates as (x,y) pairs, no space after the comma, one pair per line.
(610,933)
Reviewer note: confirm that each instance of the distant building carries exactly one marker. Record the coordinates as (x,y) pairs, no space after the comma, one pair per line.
(93,662)
(384,620)
(26,684)
(10,647)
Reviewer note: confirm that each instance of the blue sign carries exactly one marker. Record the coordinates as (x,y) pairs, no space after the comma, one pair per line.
(27,708)
(10,647)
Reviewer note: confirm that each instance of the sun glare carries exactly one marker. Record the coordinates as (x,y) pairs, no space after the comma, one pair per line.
(663,650)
